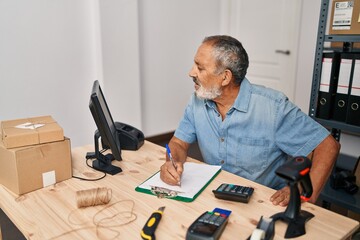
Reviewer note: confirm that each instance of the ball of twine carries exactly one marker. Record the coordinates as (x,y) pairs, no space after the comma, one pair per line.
(93,197)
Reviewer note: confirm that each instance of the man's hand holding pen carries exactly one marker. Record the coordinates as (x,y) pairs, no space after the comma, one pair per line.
(171,171)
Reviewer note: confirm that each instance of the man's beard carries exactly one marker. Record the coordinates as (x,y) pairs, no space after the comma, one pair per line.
(207,94)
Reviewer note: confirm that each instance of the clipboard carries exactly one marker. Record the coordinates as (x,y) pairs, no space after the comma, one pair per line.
(196,177)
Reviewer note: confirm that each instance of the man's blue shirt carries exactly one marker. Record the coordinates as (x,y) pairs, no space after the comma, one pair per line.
(260,131)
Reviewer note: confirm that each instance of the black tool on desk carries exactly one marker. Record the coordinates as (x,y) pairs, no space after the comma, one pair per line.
(296,171)
(209,226)
(233,192)
(148,231)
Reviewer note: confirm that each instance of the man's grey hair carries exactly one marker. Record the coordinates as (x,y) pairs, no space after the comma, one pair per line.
(229,54)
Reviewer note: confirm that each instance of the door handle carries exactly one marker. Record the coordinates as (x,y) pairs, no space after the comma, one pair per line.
(286,52)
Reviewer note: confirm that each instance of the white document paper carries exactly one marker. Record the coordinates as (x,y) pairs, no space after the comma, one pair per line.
(194,178)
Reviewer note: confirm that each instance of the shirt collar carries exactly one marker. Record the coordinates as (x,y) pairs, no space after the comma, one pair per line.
(210,103)
(241,103)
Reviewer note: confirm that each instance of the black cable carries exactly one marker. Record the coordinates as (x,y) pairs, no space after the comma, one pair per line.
(90,179)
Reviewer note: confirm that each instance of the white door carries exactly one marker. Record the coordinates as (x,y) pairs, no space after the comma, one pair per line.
(269,31)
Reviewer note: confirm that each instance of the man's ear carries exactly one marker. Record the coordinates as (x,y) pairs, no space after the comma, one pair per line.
(227,76)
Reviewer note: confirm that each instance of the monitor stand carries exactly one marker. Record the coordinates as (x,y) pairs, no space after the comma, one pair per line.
(103,162)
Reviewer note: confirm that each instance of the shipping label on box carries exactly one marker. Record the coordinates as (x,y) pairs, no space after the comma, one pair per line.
(342,15)
(345,17)
(30,131)
(26,169)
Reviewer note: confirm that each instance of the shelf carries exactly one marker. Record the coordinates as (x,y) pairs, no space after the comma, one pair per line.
(352,129)
(341,198)
(342,38)
(320,49)
(337,49)
(330,195)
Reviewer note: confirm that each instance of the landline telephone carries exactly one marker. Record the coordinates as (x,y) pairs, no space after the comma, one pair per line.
(130,137)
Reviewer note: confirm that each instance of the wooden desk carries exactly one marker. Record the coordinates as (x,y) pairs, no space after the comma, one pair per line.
(43,214)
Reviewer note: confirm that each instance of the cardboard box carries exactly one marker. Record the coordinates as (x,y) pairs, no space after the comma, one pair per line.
(25,169)
(345,17)
(30,131)
(341,45)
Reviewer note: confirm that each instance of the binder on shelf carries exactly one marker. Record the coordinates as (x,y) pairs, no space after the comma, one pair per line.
(328,83)
(353,110)
(342,90)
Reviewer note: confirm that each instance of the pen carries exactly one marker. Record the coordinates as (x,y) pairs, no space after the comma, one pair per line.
(170,156)
(148,231)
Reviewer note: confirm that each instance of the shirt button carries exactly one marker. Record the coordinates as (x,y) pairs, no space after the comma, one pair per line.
(222,161)
(222,139)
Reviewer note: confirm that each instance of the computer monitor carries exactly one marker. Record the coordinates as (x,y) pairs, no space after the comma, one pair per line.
(106,129)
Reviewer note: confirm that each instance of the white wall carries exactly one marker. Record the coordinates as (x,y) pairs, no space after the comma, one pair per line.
(306,53)
(48,62)
(52,51)
(140,50)
(119,34)
(170,32)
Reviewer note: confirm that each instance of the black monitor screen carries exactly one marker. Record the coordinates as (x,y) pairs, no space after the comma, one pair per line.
(104,121)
